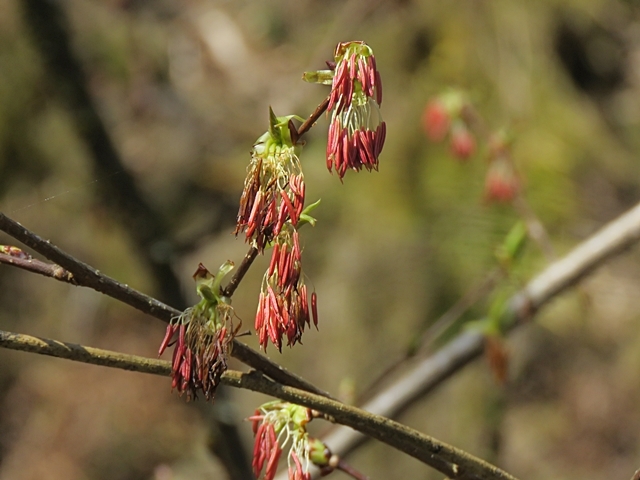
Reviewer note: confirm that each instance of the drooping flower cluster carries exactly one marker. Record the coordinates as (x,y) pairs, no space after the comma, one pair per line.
(356,132)
(204,334)
(449,115)
(279,425)
(283,305)
(274,188)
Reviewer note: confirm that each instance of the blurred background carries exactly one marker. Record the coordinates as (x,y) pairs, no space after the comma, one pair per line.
(125,132)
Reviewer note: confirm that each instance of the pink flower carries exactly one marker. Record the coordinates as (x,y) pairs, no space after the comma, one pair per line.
(501,183)
(283,306)
(356,132)
(355,74)
(278,426)
(273,194)
(265,450)
(274,188)
(436,120)
(204,335)
(463,143)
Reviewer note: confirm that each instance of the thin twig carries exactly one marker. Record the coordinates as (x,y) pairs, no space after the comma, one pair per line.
(349,470)
(449,460)
(612,239)
(88,276)
(34,265)
(308,123)
(240,272)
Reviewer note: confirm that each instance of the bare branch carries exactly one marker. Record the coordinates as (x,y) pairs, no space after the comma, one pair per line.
(453,462)
(614,238)
(240,272)
(309,122)
(34,265)
(88,276)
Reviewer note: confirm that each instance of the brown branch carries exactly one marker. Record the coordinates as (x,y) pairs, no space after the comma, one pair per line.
(34,265)
(451,461)
(240,272)
(636,476)
(612,239)
(349,470)
(309,122)
(87,276)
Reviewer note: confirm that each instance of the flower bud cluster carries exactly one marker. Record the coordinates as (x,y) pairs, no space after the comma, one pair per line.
(445,116)
(205,333)
(283,305)
(279,426)
(274,188)
(356,132)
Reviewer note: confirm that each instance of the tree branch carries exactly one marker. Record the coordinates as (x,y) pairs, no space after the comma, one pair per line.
(612,239)
(87,276)
(453,462)
(34,265)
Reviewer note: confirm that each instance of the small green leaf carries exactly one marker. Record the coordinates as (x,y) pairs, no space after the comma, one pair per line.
(513,246)
(274,129)
(305,217)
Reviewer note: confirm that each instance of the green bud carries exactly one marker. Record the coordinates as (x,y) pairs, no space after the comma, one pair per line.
(319,454)
(513,245)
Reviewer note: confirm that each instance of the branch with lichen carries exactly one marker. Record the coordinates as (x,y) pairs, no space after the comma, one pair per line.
(453,462)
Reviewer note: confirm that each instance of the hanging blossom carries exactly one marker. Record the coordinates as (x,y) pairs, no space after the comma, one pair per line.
(356,132)
(202,337)
(283,305)
(274,188)
(278,426)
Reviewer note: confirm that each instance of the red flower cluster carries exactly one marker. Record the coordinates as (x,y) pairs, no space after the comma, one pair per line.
(283,307)
(448,115)
(199,357)
(436,120)
(463,143)
(273,194)
(356,133)
(501,183)
(354,149)
(296,470)
(281,422)
(201,350)
(266,448)
(354,62)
